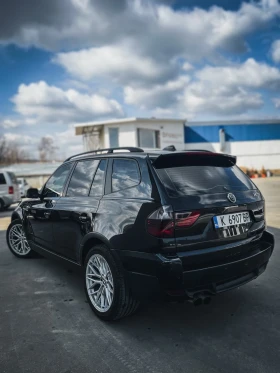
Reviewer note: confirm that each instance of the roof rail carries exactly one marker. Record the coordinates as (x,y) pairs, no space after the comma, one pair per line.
(107,150)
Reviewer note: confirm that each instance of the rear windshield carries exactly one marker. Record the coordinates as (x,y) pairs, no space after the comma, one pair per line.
(193,180)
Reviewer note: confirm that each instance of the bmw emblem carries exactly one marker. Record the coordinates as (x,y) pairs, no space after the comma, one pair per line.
(231,197)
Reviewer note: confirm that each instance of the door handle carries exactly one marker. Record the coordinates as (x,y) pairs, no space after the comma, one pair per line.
(83,218)
(47,214)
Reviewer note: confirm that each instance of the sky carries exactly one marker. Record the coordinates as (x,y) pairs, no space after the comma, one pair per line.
(71,61)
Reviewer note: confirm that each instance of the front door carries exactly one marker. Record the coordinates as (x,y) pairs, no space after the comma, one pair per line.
(75,212)
(40,213)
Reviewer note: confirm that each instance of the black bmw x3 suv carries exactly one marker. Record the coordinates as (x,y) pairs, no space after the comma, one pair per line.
(186,225)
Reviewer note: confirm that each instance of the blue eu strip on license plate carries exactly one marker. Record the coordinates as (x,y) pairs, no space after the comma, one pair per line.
(216,222)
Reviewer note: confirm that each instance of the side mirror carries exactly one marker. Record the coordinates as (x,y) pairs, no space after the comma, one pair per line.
(32,193)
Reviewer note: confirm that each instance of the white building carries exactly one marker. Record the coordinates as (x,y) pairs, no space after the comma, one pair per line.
(147,133)
(256,143)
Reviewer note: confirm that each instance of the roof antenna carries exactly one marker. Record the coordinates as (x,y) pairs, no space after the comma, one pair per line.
(170,148)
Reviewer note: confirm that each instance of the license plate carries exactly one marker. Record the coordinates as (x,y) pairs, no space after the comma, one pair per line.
(228,220)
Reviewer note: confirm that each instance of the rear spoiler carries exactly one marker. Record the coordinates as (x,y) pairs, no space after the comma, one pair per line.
(194,158)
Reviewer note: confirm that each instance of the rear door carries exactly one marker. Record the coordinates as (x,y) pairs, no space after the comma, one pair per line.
(213,200)
(128,201)
(74,213)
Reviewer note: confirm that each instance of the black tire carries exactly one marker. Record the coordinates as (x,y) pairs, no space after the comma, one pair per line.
(30,254)
(123,303)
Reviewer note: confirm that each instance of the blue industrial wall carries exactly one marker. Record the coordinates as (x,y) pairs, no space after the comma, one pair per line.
(234,132)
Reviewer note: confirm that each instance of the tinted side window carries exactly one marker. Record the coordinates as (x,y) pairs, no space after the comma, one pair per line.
(125,174)
(2,179)
(55,184)
(97,188)
(82,178)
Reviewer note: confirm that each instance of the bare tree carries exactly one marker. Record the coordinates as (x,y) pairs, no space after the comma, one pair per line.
(14,154)
(3,150)
(46,148)
(11,152)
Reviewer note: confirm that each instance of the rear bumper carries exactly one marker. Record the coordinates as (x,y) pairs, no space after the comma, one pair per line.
(150,275)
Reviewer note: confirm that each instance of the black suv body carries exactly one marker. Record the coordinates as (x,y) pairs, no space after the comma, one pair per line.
(183,224)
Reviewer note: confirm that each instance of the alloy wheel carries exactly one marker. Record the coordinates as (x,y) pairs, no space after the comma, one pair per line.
(99,283)
(18,240)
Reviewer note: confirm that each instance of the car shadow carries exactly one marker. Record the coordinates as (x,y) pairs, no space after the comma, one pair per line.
(158,314)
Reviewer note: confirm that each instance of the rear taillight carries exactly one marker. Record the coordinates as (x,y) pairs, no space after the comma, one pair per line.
(11,190)
(161,223)
(186,219)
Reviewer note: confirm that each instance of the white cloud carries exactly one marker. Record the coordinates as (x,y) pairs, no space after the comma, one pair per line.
(23,142)
(50,108)
(275,51)
(10,123)
(152,27)
(199,98)
(231,89)
(219,90)
(119,63)
(149,55)
(67,142)
(144,40)
(158,96)
(187,66)
(19,138)
(251,74)
(144,49)
(276,102)
(49,104)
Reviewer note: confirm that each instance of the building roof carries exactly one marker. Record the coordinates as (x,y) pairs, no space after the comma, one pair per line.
(80,126)
(233,122)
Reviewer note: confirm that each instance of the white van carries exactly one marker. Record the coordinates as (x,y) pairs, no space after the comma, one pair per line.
(9,189)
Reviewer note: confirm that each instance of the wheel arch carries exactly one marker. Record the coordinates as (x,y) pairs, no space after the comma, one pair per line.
(89,241)
(15,215)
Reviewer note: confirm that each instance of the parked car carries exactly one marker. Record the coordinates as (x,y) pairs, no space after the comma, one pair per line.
(185,225)
(23,186)
(9,189)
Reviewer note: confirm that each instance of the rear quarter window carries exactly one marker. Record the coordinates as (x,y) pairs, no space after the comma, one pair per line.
(125,174)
